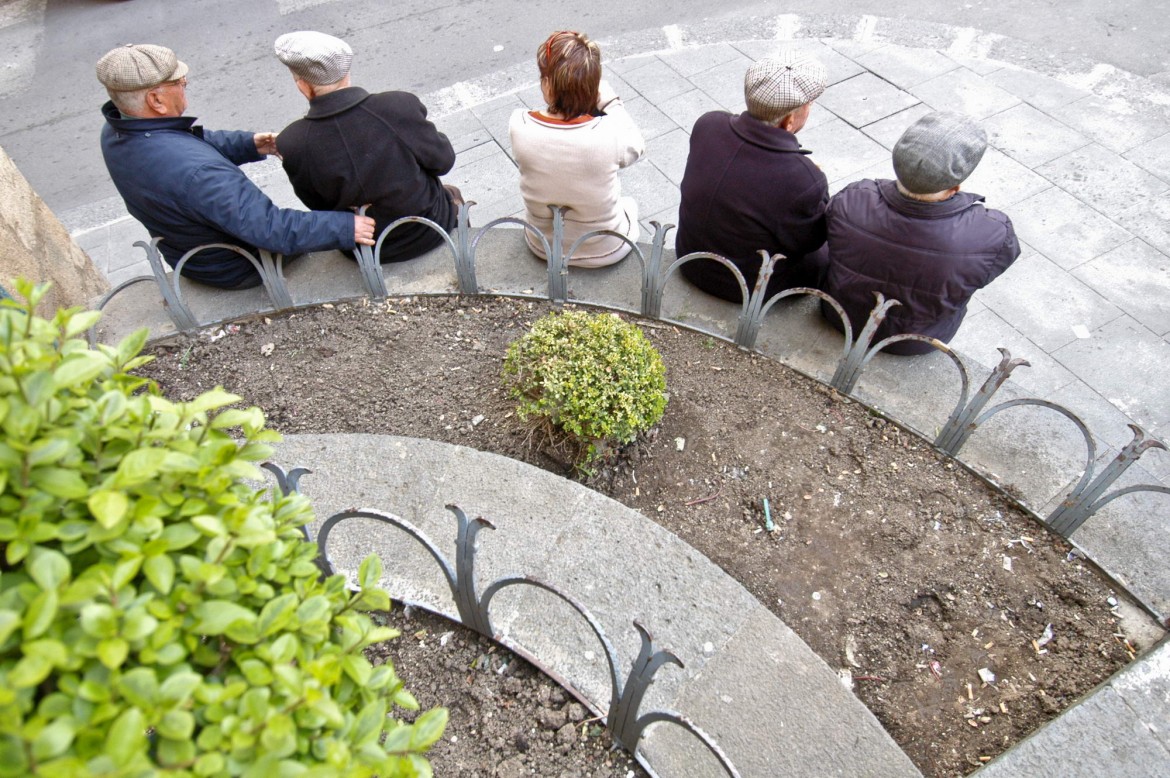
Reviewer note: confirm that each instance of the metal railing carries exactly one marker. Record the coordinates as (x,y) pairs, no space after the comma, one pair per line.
(623,718)
(1085,498)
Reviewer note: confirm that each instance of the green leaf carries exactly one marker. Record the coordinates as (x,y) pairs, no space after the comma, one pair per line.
(9,621)
(370,572)
(127,737)
(428,728)
(179,687)
(47,451)
(99,620)
(55,739)
(129,346)
(81,321)
(358,668)
(29,671)
(41,612)
(13,760)
(209,401)
(79,368)
(140,687)
(48,567)
(367,725)
(59,482)
(177,725)
(160,571)
(139,466)
(279,737)
(108,507)
(277,613)
(112,652)
(215,615)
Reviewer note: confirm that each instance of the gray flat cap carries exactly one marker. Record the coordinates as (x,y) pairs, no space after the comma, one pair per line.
(938,152)
(314,56)
(139,66)
(775,86)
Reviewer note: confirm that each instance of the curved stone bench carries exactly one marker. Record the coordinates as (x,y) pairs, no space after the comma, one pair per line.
(748,681)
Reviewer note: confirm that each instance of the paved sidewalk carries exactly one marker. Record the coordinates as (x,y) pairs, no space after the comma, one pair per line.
(1081,163)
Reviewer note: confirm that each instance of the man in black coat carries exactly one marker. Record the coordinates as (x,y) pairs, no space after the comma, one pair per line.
(918,240)
(748,184)
(354,148)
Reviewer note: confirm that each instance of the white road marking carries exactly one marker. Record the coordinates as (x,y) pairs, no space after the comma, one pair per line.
(293,6)
(973,43)
(787,25)
(674,36)
(864,30)
(20,46)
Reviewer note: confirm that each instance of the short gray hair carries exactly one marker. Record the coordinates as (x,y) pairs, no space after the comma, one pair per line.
(130,103)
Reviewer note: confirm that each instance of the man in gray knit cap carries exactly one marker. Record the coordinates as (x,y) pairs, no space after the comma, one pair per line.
(354,148)
(184,183)
(919,239)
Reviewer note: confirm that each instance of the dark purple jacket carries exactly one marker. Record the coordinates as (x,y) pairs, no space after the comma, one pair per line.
(929,256)
(749,186)
(355,148)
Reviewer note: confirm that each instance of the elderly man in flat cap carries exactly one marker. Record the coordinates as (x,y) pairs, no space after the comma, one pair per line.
(354,148)
(918,239)
(184,183)
(749,185)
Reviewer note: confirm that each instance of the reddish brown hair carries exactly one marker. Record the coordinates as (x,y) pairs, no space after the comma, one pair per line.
(572,64)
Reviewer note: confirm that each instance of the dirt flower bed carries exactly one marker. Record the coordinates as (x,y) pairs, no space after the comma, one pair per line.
(956,618)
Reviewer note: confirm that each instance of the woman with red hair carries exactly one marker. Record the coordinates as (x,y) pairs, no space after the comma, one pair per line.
(570,153)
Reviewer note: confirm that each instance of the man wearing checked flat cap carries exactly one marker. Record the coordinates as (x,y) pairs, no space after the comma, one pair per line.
(919,239)
(354,148)
(184,183)
(748,184)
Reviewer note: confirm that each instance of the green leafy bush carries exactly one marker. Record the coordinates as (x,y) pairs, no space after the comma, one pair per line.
(591,381)
(158,616)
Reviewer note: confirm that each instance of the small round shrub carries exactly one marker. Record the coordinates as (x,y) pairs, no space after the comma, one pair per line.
(158,615)
(592,381)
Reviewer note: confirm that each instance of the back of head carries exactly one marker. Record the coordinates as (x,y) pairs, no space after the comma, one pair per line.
(315,57)
(138,66)
(776,86)
(938,152)
(571,65)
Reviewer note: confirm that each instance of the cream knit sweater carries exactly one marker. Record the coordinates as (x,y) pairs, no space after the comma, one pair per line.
(577,165)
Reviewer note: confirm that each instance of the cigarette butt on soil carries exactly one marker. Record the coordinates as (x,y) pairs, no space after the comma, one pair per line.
(970,692)
(768,525)
(985,759)
(1002,708)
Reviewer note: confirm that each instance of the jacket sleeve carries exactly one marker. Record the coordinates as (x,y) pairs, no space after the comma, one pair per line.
(1008,252)
(430,147)
(237,145)
(805,226)
(630,144)
(225,198)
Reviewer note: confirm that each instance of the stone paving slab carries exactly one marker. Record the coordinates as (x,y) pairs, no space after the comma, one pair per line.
(596,550)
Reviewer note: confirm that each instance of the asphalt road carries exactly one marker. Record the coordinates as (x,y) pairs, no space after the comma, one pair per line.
(49,96)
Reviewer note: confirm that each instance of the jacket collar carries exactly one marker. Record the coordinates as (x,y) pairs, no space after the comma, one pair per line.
(335,102)
(917,209)
(114,117)
(757,133)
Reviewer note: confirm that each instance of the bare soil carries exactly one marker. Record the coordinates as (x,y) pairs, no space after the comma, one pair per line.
(957,618)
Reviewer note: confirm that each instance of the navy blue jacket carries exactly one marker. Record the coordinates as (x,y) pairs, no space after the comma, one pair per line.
(931,257)
(750,186)
(185,185)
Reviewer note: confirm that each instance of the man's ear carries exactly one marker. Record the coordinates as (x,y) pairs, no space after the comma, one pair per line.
(304,87)
(155,103)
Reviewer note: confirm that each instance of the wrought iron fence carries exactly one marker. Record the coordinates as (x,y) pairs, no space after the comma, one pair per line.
(623,718)
(1085,498)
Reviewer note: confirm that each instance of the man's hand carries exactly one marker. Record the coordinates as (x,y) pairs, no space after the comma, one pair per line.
(363,230)
(266,143)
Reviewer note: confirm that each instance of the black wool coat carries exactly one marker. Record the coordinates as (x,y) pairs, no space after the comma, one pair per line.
(355,148)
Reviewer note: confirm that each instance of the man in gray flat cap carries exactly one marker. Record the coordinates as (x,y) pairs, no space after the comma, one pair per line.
(749,185)
(184,183)
(919,239)
(354,148)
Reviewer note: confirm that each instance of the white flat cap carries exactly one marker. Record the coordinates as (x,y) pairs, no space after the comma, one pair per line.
(314,56)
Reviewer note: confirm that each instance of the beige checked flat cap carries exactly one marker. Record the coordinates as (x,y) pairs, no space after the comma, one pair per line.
(314,56)
(775,86)
(139,66)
